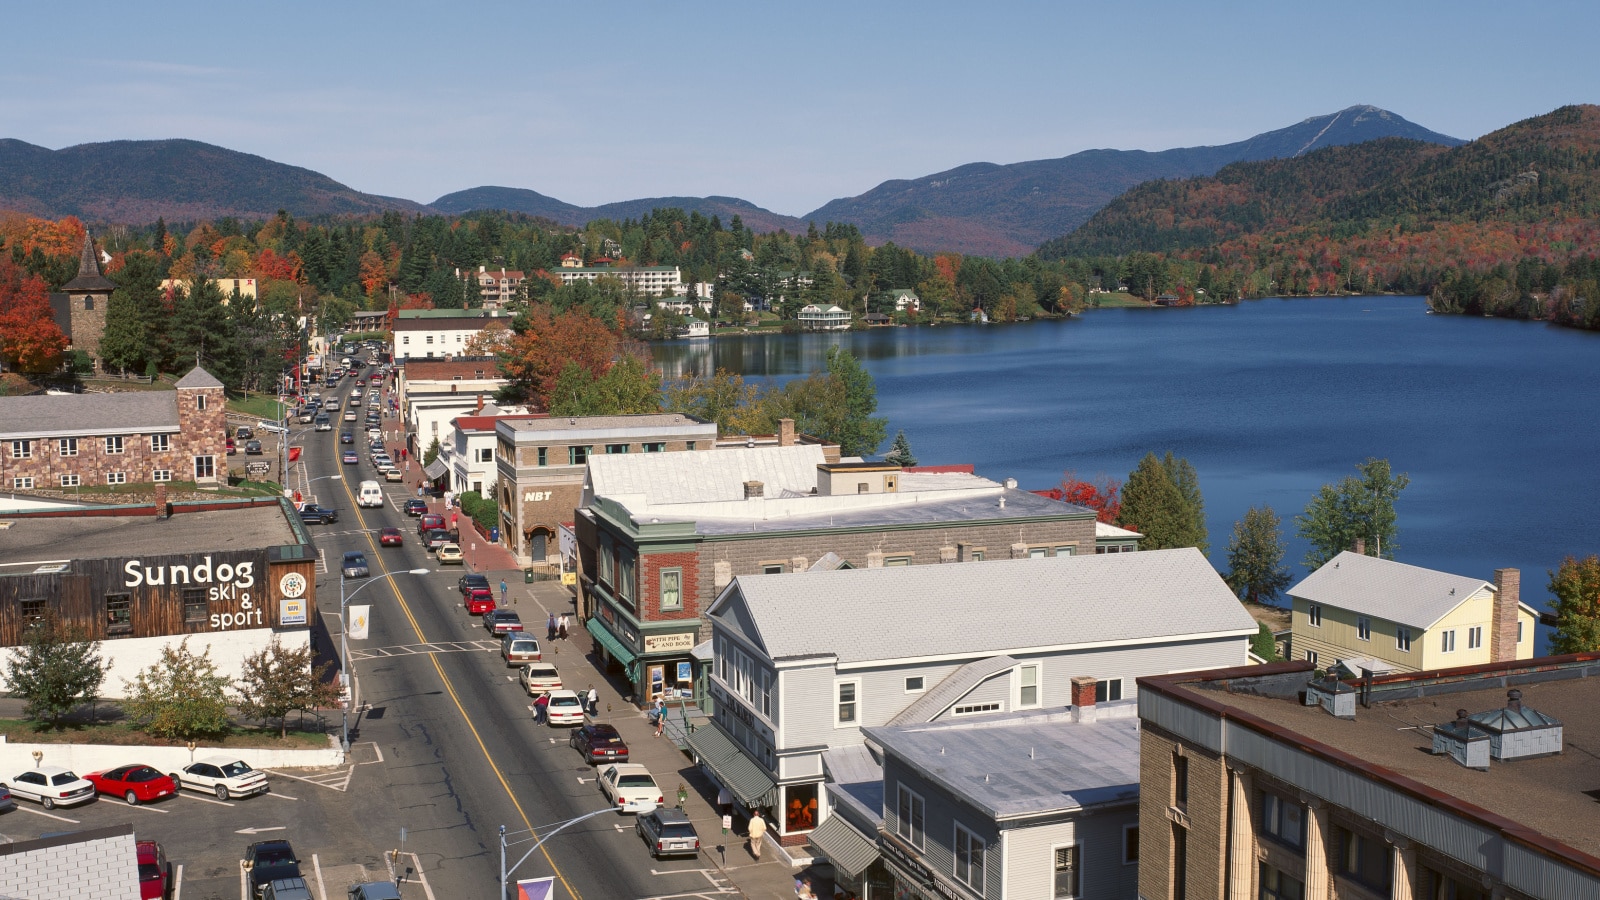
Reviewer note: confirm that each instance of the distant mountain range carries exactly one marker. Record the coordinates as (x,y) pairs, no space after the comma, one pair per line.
(980,208)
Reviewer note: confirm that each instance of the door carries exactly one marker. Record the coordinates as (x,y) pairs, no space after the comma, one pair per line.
(538,545)
(658,679)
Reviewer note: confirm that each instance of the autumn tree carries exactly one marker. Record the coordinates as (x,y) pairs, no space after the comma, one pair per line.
(720,398)
(277,680)
(1356,508)
(1255,557)
(30,340)
(1161,500)
(1576,586)
(56,670)
(627,388)
(536,356)
(180,696)
(1102,496)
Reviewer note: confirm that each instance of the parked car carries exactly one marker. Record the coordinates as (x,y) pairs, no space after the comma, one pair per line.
(598,742)
(478,602)
(350,458)
(244,433)
(269,861)
(539,678)
(271,427)
(51,786)
(391,537)
(502,622)
(472,581)
(312,513)
(252,448)
(519,647)
(374,890)
(434,538)
(136,783)
(355,564)
(628,786)
(393,475)
(347,437)
(225,776)
(565,708)
(429,520)
(667,832)
(416,507)
(7,802)
(231,446)
(287,889)
(450,555)
(155,873)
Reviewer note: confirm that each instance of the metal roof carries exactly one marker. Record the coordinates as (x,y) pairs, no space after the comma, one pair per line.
(652,479)
(87,415)
(979,609)
(1385,589)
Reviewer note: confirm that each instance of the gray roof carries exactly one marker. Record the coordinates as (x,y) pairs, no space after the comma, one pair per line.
(32,540)
(904,612)
(199,378)
(880,510)
(956,685)
(85,415)
(660,478)
(1029,764)
(89,277)
(1385,589)
(856,779)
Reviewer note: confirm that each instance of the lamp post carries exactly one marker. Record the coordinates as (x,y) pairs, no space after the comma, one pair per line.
(560,826)
(344,641)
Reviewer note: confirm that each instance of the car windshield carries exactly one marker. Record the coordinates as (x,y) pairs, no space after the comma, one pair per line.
(355,558)
(237,768)
(270,855)
(525,647)
(677,830)
(63,778)
(149,872)
(636,781)
(563,701)
(143,773)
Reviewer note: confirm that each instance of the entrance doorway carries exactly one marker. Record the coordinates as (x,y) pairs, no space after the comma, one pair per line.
(538,545)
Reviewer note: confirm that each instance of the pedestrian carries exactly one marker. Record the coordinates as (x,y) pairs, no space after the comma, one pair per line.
(758,833)
(402,453)
(540,705)
(659,714)
(419,490)
(502,592)
(561,627)
(802,889)
(724,801)
(550,628)
(594,701)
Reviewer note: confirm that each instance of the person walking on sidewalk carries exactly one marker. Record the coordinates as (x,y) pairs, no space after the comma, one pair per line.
(561,627)
(758,834)
(502,592)
(550,628)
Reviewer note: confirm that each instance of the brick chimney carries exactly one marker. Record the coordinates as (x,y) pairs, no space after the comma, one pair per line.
(1360,549)
(753,489)
(1083,698)
(161,501)
(1503,626)
(785,432)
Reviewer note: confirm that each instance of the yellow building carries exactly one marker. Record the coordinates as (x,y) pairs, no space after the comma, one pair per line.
(1390,617)
(245,286)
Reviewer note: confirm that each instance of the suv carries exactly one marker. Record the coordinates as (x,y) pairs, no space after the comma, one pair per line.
(427,521)
(472,581)
(287,889)
(667,832)
(269,862)
(374,890)
(319,514)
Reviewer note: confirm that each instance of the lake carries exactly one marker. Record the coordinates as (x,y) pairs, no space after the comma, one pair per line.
(1494,420)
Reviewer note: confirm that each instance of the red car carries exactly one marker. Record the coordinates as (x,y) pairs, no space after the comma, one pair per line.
(479,601)
(136,783)
(232,448)
(155,873)
(390,537)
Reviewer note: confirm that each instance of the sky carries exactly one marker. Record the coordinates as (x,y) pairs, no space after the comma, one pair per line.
(786,105)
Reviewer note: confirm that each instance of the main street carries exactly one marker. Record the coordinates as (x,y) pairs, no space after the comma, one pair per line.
(461,754)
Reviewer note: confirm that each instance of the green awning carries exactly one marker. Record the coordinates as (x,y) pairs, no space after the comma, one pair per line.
(740,774)
(618,650)
(845,847)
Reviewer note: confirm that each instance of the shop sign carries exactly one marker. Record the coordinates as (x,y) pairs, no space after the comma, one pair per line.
(537,496)
(229,582)
(569,578)
(909,865)
(292,612)
(669,643)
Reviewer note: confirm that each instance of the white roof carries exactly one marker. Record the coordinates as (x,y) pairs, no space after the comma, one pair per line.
(654,479)
(980,609)
(1385,589)
(1104,531)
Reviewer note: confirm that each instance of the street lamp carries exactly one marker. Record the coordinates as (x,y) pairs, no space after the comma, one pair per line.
(560,826)
(344,639)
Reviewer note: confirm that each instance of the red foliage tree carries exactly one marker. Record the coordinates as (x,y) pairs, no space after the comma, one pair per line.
(535,358)
(1102,496)
(30,340)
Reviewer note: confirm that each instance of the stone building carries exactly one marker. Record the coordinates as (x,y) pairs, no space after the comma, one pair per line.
(85,299)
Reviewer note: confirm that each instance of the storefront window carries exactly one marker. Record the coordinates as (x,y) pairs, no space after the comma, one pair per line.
(800,808)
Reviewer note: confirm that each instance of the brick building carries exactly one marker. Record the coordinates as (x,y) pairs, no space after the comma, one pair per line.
(55,442)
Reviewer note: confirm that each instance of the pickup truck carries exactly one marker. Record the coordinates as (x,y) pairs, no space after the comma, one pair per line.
(314,514)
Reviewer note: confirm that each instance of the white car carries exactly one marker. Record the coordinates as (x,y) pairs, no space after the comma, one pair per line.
(539,677)
(225,776)
(630,788)
(274,427)
(565,708)
(51,786)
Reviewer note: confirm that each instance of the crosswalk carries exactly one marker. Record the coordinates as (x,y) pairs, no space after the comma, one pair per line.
(425,649)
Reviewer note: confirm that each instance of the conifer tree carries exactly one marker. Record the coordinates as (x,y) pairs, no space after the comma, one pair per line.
(900,451)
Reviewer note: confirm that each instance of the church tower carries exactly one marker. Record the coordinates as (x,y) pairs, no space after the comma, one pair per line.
(88,295)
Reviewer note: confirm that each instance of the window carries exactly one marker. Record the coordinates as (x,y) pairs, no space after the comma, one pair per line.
(544,456)
(70,480)
(1108,690)
(160,443)
(1311,657)
(88,303)
(116,478)
(909,816)
(1363,859)
(1130,845)
(1447,641)
(1180,781)
(430,339)
(969,860)
(405,339)
(1282,820)
(32,610)
(607,563)
(672,589)
(657,447)
(972,709)
(846,709)
(1447,888)
(485,454)
(772,569)
(625,567)
(25,482)
(161,475)
(861,487)
(200,401)
(691,445)
(195,608)
(67,447)
(577,456)
(1038,552)
(119,614)
(1065,551)
(1402,639)
(22,449)
(914,684)
(978,555)
(1314,615)
(1027,687)
(1519,631)
(1066,871)
(1180,862)
(1474,637)
(205,468)
(1363,628)
(1277,886)
(616,448)
(114,444)
(897,561)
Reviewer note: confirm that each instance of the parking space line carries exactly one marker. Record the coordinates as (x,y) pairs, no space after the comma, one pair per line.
(40,812)
(206,800)
(177,883)
(416,867)
(316,864)
(279,796)
(148,808)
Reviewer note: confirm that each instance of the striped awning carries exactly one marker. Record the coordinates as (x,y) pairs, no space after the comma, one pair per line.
(740,774)
(619,651)
(845,847)
(436,469)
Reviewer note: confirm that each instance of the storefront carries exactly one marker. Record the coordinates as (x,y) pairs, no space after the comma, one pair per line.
(656,656)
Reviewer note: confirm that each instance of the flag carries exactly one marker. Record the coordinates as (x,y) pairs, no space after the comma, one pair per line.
(358,622)
(536,888)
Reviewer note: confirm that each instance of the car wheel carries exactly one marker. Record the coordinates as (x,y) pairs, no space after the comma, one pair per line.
(132,798)
(47,802)
(222,792)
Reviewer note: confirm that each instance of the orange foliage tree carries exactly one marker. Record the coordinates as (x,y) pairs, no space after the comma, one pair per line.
(1100,496)
(535,357)
(30,340)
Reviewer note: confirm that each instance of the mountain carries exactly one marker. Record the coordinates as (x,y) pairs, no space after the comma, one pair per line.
(134,182)
(534,203)
(1008,210)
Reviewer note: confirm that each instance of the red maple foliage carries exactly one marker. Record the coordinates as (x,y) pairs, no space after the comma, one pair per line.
(1102,496)
(536,356)
(30,340)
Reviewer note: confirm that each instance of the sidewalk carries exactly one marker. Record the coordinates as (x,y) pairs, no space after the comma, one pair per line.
(767,879)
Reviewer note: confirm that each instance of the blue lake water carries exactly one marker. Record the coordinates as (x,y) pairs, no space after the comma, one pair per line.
(1496,421)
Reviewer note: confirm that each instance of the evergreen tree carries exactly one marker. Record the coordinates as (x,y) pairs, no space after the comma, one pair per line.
(900,451)
(1161,500)
(1255,557)
(56,670)
(1354,508)
(202,333)
(1576,586)
(1188,483)
(861,433)
(133,313)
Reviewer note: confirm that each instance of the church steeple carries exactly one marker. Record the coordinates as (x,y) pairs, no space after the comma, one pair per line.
(89,278)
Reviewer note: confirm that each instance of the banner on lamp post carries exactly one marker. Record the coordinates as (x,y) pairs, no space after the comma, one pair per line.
(358,622)
(536,888)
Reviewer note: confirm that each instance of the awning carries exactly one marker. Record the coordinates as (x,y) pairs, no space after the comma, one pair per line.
(436,469)
(619,652)
(738,772)
(845,847)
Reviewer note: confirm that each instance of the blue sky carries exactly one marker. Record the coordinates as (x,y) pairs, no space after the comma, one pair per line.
(787,105)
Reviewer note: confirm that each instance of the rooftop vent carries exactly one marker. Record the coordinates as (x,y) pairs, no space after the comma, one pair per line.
(1462,741)
(1519,732)
(1333,695)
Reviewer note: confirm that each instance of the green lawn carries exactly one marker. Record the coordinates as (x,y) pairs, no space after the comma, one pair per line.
(123,734)
(257,406)
(1112,301)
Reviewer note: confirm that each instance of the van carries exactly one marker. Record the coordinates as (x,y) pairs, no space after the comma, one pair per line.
(369,494)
